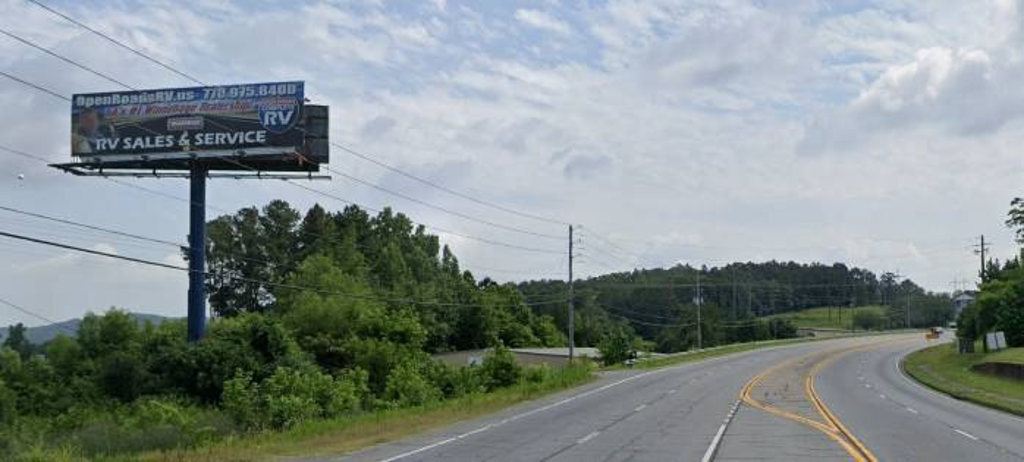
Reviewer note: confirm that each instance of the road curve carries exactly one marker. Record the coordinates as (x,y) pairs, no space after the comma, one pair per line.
(694,412)
(900,420)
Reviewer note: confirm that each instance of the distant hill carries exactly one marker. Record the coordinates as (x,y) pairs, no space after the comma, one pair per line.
(42,334)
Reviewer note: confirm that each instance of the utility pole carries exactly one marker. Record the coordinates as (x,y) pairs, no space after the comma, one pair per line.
(572,312)
(732,273)
(981,249)
(699,299)
(909,294)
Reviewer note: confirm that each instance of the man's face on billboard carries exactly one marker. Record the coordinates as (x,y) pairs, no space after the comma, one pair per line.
(88,121)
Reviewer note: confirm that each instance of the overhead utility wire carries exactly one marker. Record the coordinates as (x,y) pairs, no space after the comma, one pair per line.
(245,279)
(35,315)
(442,209)
(116,42)
(343,174)
(446,189)
(344,148)
(437,228)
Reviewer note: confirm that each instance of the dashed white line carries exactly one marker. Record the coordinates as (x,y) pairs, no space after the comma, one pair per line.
(975,438)
(912,410)
(672,391)
(587,438)
(640,408)
(717,440)
(519,416)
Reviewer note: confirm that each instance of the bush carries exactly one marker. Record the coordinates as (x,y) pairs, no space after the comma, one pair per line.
(408,387)
(616,347)
(868,320)
(500,368)
(155,423)
(291,396)
(537,374)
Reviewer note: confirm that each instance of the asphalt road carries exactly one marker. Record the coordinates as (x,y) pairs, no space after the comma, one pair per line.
(692,412)
(900,420)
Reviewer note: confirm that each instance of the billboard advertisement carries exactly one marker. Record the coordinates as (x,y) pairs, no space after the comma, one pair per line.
(262,119)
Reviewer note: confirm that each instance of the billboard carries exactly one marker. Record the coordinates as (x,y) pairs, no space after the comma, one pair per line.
(264,126)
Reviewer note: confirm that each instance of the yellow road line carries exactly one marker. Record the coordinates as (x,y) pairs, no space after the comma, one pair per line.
(832,427)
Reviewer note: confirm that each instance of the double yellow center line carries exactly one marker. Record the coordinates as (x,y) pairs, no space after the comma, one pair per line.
(830,425)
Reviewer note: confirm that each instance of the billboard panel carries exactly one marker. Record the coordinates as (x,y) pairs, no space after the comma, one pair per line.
(165,128)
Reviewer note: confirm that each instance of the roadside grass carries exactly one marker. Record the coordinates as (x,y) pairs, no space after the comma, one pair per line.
(350,433)
(942,368)
(820,317)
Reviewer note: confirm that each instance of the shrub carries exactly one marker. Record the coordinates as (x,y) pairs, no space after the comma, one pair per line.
(500,368)
(291,396)
(868,320)
(408,387)
(616,347)
(537,374)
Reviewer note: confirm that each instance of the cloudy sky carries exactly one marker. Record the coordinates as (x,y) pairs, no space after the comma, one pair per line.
(883,134)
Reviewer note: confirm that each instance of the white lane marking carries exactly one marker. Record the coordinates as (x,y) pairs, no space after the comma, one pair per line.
(587,438)
(640,408)
(520,416)
(581,395)
(975,438)
(912,410)
(882,396)
(672,391)
(717,440)
(714,444)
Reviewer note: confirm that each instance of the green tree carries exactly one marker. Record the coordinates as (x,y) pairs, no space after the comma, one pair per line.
(17,340)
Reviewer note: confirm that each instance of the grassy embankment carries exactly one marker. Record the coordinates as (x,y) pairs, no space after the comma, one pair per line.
(822,319)
(942,368)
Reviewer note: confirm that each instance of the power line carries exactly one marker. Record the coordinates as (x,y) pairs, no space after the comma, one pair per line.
(437,228)
(446,189)
(116,42)
(65,59)
(35,315)
(442,209)
(37,87)
(198,81)
(353,178)
(92,227)
(251,280)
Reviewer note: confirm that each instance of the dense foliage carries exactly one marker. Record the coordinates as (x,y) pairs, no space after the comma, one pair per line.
(318,316)
(1000,302)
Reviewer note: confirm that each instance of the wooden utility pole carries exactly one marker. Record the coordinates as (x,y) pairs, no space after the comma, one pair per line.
(572,313)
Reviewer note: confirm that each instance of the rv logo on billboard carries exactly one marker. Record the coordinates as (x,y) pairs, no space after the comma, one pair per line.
(278,115)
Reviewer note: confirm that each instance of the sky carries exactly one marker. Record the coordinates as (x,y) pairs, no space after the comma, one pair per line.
(880,134)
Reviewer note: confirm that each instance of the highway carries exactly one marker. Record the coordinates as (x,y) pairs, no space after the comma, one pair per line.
(842,399)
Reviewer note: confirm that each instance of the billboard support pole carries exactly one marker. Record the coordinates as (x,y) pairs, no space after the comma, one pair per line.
(197,253)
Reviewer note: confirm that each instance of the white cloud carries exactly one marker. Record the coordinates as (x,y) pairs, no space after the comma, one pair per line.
(542,20)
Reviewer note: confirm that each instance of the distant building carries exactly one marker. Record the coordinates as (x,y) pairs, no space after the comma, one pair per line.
(963,299)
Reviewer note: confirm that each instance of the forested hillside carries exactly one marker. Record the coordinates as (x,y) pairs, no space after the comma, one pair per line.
(660,304)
